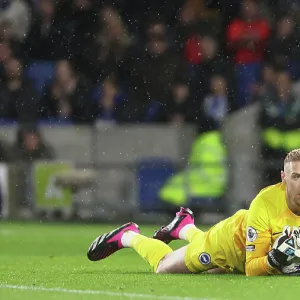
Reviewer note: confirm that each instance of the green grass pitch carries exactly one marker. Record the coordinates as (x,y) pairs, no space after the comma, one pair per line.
(48,261)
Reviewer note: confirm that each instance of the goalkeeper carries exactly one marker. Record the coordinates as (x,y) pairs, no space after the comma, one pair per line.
(258,241)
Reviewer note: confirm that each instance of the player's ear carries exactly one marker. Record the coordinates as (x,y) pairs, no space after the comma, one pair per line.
(282,176)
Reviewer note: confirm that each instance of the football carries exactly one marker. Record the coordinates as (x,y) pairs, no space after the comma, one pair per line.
(293,266)
(292,248)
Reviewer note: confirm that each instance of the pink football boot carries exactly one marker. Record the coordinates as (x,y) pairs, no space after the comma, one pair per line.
(108,243)
(171,232)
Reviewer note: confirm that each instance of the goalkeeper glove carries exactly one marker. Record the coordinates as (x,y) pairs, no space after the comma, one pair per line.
(283,248)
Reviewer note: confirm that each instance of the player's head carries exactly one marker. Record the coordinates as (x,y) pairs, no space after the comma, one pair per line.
(291,175)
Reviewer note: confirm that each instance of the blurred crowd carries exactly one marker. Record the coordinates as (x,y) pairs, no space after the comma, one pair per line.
(172,61)
(145,61)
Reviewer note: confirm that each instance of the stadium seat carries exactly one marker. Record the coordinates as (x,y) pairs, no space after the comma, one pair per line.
(152,173)
(294,69)
(7,122)
(152,111)
(41,73)
(55,122)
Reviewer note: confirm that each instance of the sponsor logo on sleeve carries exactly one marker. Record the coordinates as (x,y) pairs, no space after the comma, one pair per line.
(204,258)
(250,248)
(251,234)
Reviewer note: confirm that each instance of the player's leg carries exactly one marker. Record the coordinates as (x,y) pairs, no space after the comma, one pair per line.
(160,256)
(164,259)
(173,262)
(217,247)
(182,227)
(202,254)
(209,250)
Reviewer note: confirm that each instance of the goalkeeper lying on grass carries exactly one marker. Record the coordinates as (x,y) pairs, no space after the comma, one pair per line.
(260,241)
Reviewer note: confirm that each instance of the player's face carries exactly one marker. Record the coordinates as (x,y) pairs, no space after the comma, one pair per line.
(291,176)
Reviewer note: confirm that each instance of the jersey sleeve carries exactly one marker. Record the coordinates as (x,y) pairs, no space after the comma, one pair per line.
(258,239)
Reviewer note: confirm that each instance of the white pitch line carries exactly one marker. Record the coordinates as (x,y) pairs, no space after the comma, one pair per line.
(97,292)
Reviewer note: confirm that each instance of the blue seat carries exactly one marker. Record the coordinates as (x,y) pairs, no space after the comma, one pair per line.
(152,111)
(152,173)
(7,122)
(41,73)
(294,69)
(55,122)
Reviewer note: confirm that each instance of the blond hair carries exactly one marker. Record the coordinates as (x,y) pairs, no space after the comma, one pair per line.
(293,155)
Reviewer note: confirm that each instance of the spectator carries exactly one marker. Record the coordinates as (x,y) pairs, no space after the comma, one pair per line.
(268,81)
(289,6)
(134,13)
(9,46)
(108,47)
(284,46)
(279,119)
(97,37)
(7,37)
(212,63)
(246,37)
(47,39)
(77,19)
(155,70)
(5,54)
(247,34)
(30,145)
(269,75)
(18,98)
(68,98)
(205,176)
(110,101)
(194,20)
(16,13)
(216,102)
(178,108)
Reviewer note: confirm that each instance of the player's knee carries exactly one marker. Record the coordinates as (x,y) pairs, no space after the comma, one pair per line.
(161,268)
(173,262)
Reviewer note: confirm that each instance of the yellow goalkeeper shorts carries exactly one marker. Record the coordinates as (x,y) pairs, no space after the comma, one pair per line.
(222,246)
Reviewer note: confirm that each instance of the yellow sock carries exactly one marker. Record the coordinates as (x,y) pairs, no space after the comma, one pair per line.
(151,250)
(194,233)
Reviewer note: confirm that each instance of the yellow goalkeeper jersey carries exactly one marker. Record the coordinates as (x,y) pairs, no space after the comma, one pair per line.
(263,223)
(241,242)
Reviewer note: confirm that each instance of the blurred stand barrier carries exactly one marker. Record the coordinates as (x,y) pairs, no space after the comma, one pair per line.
(242,138)
(94,176)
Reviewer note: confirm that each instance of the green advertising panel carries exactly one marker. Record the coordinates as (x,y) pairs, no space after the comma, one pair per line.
(47,193)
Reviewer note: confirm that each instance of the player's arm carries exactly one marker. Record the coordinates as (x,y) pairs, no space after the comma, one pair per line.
(258,240)
(217,271)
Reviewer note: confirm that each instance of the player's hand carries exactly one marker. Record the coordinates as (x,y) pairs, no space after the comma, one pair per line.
(292,269)
(297,251)
(283,248)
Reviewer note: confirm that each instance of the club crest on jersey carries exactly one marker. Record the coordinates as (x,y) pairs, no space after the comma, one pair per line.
(251,234)
(204,258)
